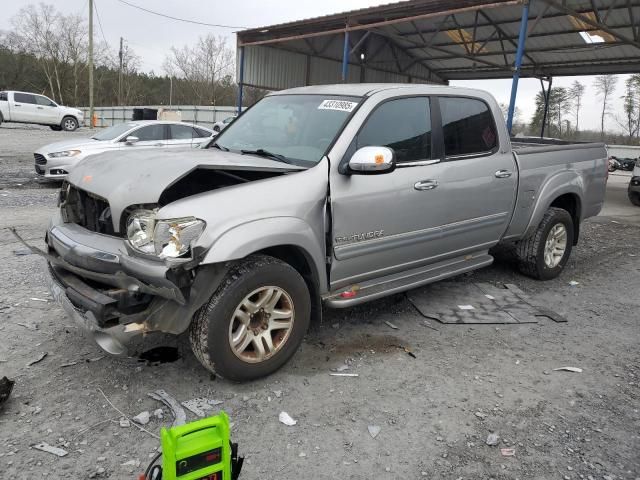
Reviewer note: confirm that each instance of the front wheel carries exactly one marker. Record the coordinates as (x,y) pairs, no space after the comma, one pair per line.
(634,197)
(69,124)
(254,322)
(544,255)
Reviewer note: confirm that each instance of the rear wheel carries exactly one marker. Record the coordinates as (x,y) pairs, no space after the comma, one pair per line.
(634,197)
(216,129)
(69,124)
(544,254)
(254,322)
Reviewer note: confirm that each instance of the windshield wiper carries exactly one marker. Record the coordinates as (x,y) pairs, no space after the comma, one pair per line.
(267,154)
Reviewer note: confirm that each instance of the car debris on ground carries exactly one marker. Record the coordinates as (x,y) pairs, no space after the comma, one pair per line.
(492,439)
(285,418)
(179,415)
(374,430)
(201,406)
(568,369)
(6,386)
(45,447)
(38,359)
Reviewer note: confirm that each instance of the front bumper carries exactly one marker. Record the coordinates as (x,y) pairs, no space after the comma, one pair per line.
(116,296)
(54,168)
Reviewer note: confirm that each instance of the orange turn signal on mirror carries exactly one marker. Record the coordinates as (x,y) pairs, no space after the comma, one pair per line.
(379,159)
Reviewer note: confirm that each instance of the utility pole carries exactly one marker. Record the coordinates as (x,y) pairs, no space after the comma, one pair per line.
(170,90)
(120,54)
(91,63)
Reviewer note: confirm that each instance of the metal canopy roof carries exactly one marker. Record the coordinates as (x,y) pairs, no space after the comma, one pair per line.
(442,40)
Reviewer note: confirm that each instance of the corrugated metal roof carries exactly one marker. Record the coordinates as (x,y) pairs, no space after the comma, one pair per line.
(441,40)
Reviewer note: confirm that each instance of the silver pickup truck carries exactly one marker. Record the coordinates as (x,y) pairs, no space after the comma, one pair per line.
(331,195)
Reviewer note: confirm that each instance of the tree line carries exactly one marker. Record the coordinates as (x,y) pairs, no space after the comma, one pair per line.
(565,104)
(46,52)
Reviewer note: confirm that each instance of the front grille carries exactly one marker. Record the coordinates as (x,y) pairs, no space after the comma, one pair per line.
(87,210)
(40,159)
(39,170)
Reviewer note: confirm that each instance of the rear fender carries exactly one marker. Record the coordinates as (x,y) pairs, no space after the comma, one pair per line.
(560,184)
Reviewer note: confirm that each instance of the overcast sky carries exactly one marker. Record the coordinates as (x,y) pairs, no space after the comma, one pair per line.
(152,36)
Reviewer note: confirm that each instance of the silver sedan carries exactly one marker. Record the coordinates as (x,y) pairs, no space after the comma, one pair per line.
(55,161)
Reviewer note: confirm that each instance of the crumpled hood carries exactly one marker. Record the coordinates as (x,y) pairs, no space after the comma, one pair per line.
(140,177)
(72,144)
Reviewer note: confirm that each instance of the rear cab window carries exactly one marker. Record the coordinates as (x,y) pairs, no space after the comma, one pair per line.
(4,96)
(468,127)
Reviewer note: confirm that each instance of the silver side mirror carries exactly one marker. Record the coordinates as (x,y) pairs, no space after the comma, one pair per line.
(130,140)
(372,160)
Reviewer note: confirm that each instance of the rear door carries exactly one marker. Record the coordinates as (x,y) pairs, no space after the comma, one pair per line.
(477,178)
(23,108)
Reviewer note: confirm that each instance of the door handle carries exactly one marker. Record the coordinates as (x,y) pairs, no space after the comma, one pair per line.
(158,144)
(425,185)
(17,104)
(40,108)
(503,174)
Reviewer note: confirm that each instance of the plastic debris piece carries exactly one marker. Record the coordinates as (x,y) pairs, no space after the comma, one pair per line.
(39,358)
(344,374)
(179,415)
(68,364)
(142,418)
(285,418)
(124,422)
(508,452)
(466,307)
(573,283)
(342,368)
(158,413)
(45,447)
(492,439)
(568,369)
(392,325)
(490,297)
(374,430)
(6,386)
(409,352)
(22,251)
(200,406)
(277,393)
(39,300)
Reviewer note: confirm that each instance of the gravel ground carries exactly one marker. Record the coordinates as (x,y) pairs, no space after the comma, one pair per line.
(434,411)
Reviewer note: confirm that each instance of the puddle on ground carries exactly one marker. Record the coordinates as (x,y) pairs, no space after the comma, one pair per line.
(160,355)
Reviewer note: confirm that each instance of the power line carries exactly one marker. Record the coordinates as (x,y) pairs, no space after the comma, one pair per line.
(95,6)
(177,18)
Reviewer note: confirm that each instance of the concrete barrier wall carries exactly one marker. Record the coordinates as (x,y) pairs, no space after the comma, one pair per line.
(201,115)
(623,151)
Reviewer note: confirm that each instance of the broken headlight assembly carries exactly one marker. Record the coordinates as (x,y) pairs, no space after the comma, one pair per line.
(165,238)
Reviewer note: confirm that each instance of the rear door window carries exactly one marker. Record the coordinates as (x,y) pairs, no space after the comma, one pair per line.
(181,132)
(467,126)
(202,132)
(150,133)
(4,96)
(24,98)
(403,125)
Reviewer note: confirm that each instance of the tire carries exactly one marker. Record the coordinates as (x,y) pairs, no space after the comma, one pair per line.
(213,326)
(55,128)
(216,129)
(69,124)
(634,197)
(530,253)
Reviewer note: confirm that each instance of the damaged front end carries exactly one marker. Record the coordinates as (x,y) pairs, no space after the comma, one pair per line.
(116,296)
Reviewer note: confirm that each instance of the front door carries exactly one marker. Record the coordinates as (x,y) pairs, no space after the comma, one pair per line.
(46,111)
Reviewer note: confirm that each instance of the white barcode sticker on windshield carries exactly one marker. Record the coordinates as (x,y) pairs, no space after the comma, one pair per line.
(341,105)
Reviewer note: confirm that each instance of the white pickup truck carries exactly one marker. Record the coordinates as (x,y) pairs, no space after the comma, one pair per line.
(24,107)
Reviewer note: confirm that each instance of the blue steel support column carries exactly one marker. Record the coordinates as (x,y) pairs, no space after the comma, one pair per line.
(519,54)
(241,80)
(345,57)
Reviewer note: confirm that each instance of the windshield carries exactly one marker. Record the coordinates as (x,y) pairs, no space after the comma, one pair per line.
(113,132)
(297,128)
